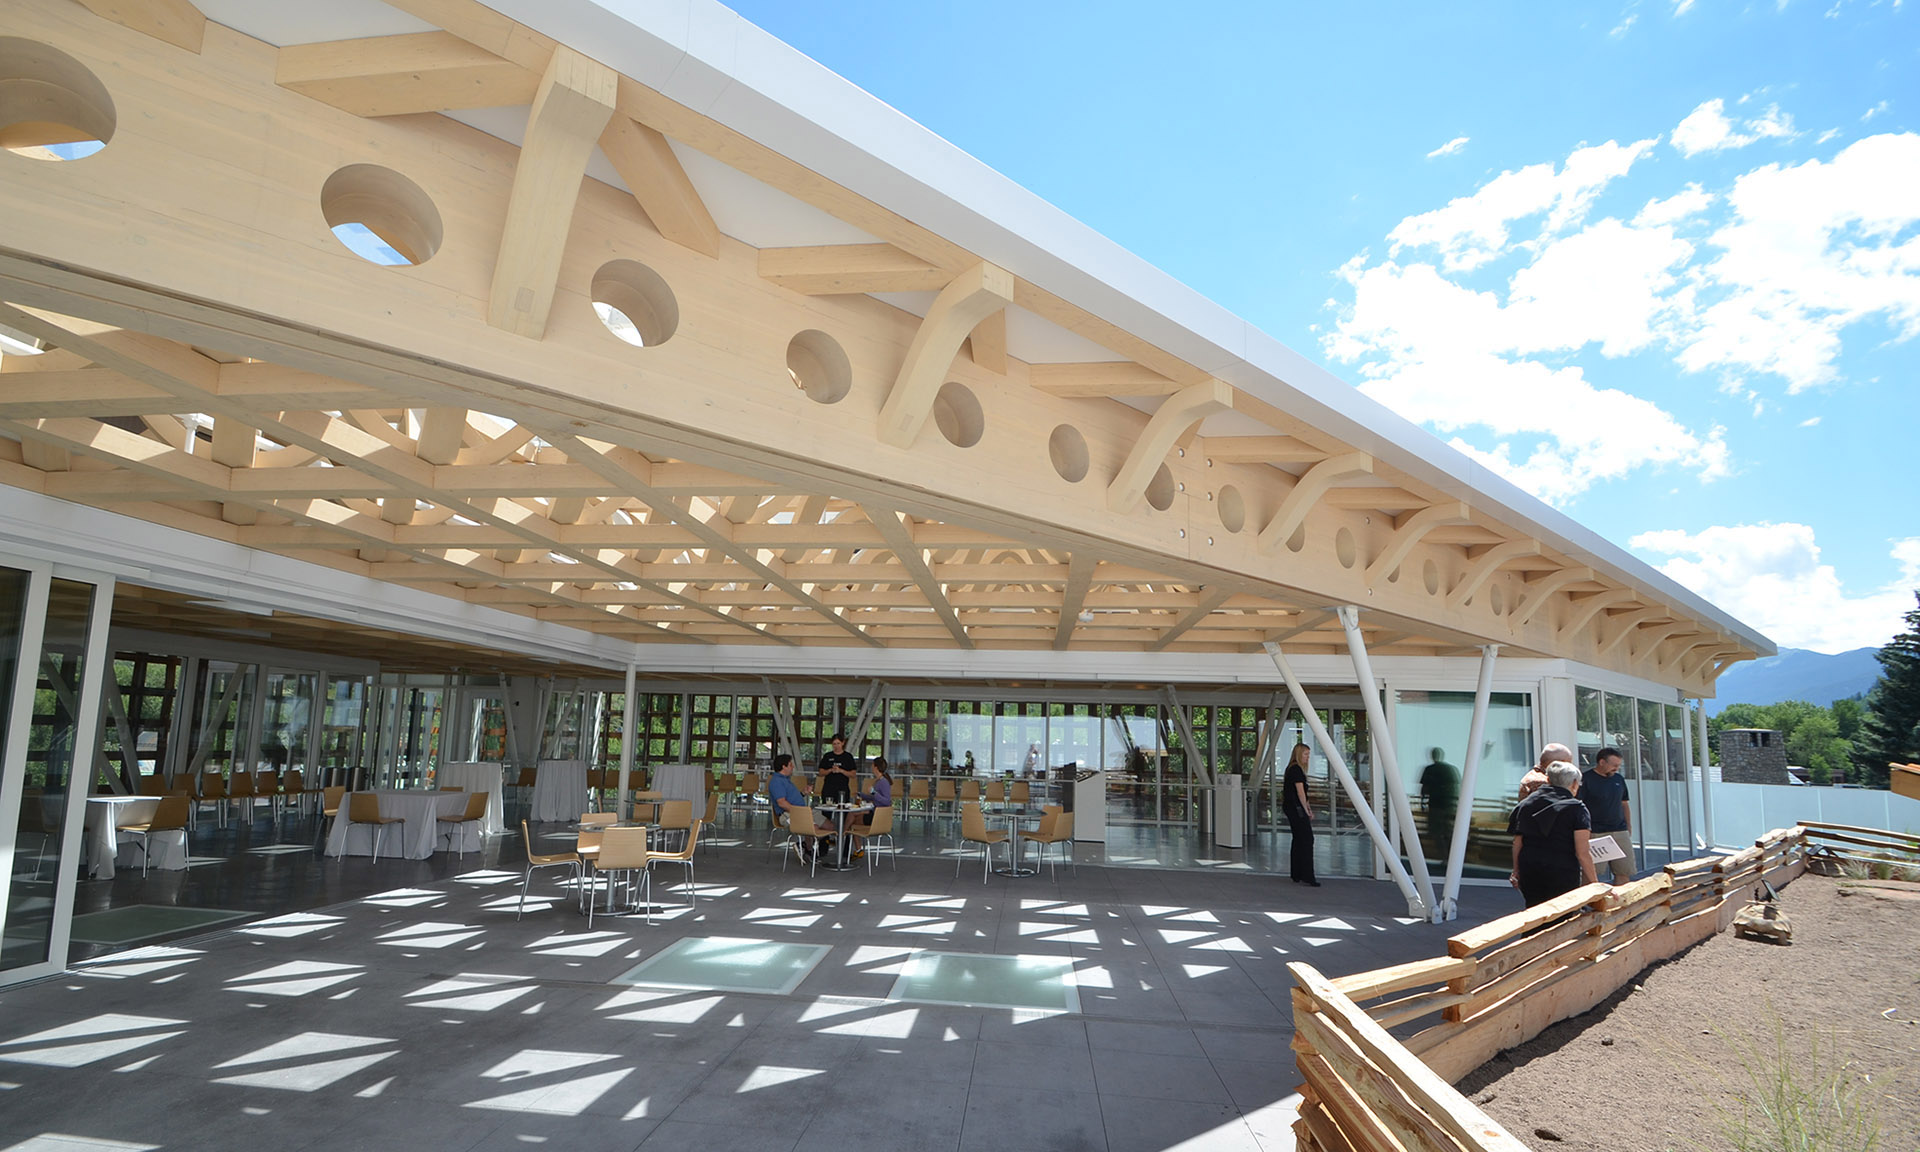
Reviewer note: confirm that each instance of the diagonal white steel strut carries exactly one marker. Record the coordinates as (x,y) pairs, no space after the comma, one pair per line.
(1386,755)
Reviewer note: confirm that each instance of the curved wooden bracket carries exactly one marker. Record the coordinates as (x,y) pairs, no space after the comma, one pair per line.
(1486,565)
(1312,485)
(1625,627)
(1585,610)
(970,298)
(1539,591)
(1176,415)
(1408,532)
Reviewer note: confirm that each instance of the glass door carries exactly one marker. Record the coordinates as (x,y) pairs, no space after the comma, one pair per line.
(52,642)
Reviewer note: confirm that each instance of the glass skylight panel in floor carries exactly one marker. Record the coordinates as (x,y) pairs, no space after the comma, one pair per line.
(138,922)
(1028,983)
(727,964)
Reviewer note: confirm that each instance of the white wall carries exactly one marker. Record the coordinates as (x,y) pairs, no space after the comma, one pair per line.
(1744,812)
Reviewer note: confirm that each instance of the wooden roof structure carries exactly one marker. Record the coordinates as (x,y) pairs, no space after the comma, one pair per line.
(680,350)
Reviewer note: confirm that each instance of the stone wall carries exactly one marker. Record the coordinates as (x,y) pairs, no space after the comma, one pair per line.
(1753,756)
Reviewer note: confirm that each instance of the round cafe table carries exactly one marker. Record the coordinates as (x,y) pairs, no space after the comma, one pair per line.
(587,862)
(842,860)
(1015,815)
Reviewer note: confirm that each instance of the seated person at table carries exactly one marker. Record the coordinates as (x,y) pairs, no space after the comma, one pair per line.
(880,797)
(786,795)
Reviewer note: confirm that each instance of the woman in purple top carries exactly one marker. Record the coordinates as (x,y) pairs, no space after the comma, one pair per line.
(880,797)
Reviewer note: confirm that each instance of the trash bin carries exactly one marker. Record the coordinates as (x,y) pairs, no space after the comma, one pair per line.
(1229,811)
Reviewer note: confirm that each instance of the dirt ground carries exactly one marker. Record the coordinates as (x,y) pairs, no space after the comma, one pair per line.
(1671,1058)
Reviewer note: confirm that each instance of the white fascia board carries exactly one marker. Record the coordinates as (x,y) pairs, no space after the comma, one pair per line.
(714,61)
(174,560)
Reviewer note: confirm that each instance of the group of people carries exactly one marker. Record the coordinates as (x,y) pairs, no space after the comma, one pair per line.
(1561,809)
(837,774)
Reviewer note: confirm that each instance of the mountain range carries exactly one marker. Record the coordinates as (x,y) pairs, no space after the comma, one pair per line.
(1797,674)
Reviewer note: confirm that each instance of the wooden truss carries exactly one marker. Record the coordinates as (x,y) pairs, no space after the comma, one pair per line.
(769,455)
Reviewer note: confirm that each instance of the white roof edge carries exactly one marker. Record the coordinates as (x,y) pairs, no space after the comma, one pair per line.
(714,61)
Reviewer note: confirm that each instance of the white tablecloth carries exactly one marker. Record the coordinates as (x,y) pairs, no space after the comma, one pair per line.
(683,782)
(479,777)
(104,816)
(417,838)
(560,790)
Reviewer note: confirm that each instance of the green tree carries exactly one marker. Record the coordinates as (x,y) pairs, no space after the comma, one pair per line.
(1891,730)
(1849,714)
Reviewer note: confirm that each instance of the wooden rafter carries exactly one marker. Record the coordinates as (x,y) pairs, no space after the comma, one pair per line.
(177,22)
(660,184)
(1114,378)
(901,543)
(1073,599)
(841,269)
(1199,612)
(395,75)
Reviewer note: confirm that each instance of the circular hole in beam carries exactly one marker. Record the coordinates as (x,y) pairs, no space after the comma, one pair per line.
(1345,548)
(1067,448)
(818,366)
(635,303)
(1160,489)
(52,107)
(1233,509)
(956,412)
(380,215)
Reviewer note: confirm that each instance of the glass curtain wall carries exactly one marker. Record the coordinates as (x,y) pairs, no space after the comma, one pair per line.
(57,773)
(217,741)
(1430,730)
(341,730)
(286,722)
(1652,740)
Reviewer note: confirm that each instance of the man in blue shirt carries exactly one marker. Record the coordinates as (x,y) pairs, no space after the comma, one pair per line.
(1604,791)
(786,795)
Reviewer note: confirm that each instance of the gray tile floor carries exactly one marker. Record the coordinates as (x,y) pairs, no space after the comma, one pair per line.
(424,1016)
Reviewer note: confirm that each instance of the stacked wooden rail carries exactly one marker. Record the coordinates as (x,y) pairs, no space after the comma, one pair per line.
(1506,981)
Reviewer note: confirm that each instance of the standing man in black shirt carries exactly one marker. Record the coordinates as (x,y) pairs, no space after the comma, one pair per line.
(1604,791)
(836,775)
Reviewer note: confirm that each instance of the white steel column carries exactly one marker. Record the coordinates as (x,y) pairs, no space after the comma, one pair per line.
(626,738)
(1469,771)
(1706,775)
(1386,755)
(1415,906)
(86,736)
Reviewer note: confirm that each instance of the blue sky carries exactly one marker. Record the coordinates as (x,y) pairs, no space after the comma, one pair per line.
(1659,262)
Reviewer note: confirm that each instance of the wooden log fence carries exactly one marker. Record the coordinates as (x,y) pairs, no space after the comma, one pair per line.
(1504,982)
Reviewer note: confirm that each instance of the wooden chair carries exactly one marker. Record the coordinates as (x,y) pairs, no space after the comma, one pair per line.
(945,798)
(475,812)
(154,785)
(801,829)
(539,860)
(973,830)
(683,857)
(1022,792)
(169,816)
(622,852)
(1056,827)
(996,791)
(364,808)
(712,818)
(209,791)
(240,794)
(870,834)
(329,809)
(676,816)
(970,791)
(588,847)
(293,786)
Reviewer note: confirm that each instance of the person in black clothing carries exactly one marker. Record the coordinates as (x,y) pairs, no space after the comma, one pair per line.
(1293,801)
(1550,829)
(836,776)
(836,772)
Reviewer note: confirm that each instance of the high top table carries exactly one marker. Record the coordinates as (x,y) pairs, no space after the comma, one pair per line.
(479,776)
(560,790)
(105,817)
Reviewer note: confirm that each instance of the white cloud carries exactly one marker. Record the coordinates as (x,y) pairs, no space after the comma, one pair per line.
(1707,129)
(1622,28)
(1810,250)
(1810,422)
(1770,576)
(1689,201)
(1680,7)
(1876,110)
(1449,148)
(1457,359)
(1472,230)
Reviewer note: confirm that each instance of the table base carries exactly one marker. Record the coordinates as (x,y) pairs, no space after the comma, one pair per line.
(1016,871)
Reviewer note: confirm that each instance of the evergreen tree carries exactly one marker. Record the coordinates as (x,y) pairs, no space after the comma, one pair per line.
(1891,730)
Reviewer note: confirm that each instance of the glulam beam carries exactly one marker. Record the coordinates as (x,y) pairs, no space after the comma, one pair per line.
(396,75)
(1408,531)
(1485,565)
(177,22)
(1539,591)
(660,185)
(1176,416)
(1099,378)
(847,269)
(571,109)
(1314,483)
(971,297)
(910,557)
